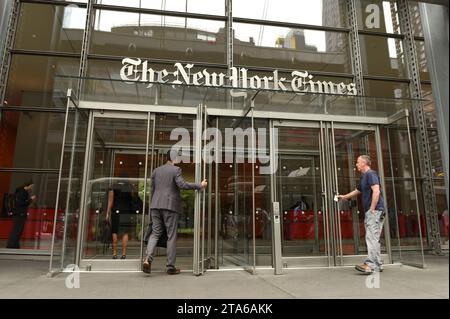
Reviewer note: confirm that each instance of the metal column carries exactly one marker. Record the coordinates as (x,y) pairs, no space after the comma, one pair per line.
(85,47)
(433,232)
(276,215)
(6,55)
(355,51)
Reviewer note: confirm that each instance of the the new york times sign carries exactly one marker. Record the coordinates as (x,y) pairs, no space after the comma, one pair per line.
(137,70)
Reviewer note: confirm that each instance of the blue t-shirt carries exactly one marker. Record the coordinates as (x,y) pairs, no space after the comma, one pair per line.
(366,182)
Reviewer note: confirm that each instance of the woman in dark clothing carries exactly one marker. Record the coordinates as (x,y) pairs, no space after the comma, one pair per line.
(120,213)
(22,200)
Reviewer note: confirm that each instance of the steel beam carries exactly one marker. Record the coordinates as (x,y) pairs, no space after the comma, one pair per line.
(7,46)
(355,50)
(423,146)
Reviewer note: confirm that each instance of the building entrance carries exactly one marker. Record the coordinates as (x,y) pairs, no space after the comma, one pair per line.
(270,195)
(123,150)
(316,162)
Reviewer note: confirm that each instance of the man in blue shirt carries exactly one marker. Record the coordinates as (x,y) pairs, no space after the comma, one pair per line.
(370,188)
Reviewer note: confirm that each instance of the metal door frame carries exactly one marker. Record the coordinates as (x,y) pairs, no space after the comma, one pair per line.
(332,228)
(103,264)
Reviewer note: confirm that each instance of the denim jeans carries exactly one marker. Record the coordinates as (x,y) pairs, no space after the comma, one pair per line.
(373,223)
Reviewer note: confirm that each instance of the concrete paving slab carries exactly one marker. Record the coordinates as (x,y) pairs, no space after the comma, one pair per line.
(27,279)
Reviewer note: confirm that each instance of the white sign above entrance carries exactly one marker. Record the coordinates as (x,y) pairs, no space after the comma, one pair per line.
(137,70)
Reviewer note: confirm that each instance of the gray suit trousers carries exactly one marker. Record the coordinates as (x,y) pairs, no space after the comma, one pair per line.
(169,219)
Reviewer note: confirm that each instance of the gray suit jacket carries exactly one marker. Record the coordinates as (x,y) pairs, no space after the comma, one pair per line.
(166,184)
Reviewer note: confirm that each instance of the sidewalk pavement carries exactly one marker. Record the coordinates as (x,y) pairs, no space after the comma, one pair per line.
(28,279)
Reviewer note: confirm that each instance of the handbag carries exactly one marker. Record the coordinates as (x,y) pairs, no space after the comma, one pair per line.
(106,236)
(106,233)
(162,241)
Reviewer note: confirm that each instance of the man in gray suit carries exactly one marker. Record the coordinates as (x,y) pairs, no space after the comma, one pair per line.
(165,207)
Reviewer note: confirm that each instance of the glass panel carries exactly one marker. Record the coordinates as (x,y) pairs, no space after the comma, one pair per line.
(330,13)
(383,56)
(386,89)
(407,223)
(117,174)
(31,139)
(327,104)
(214,7)
(236,194)
(442,209)
(40,80)
(165,126)
(403,217)
(50,28)
(422,61)
(158,37)
(70,190)
(350,144)
(33,231)
(399,155)
(377,15)
(279,47)
(263,199)
(299,187)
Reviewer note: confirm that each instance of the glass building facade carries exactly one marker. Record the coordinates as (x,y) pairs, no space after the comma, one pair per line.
(73,124)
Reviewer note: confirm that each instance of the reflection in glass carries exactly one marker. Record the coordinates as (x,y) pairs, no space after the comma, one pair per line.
(280,47)
(158,37)
(40,80)
(50,28)
(330,13)
(31,139)
(383,56)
